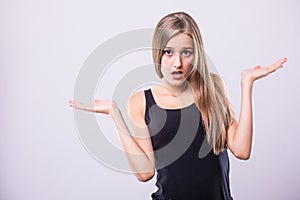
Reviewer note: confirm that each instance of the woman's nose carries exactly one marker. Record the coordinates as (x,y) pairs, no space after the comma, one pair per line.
(177,61)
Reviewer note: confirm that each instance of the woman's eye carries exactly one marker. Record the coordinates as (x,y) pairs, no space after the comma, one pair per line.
(168,52)
(186,53)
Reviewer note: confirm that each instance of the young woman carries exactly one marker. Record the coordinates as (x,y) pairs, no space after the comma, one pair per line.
(189,110)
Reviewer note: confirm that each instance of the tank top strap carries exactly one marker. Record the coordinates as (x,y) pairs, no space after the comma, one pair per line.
(149,103)
(149,98)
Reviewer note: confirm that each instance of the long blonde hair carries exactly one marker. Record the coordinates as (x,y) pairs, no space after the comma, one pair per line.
(210,94)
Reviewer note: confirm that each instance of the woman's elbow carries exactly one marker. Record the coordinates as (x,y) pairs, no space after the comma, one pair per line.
(144,177)
(242,155)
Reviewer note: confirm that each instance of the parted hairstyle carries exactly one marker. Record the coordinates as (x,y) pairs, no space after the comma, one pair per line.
(210,95)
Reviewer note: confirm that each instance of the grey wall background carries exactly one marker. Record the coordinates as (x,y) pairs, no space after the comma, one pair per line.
(43,45)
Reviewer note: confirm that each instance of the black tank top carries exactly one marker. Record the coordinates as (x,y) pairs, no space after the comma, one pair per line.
(177,136)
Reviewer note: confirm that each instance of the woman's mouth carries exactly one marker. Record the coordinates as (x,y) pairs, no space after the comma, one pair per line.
(177,74)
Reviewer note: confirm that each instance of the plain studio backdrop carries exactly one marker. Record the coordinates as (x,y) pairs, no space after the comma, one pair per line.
(43,45)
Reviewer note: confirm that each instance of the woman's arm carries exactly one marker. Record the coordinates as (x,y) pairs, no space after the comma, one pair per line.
(239,138)
(138,147)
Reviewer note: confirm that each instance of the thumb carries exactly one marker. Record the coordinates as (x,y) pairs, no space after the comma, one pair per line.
(97,101)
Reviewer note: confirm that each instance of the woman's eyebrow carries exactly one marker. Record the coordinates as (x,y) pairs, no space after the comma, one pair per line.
(182,48)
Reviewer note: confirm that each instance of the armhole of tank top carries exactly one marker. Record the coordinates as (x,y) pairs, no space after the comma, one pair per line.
(146,106)
(149,101)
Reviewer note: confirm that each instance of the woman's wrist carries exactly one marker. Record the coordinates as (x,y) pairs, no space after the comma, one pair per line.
(246,81)
(114,110)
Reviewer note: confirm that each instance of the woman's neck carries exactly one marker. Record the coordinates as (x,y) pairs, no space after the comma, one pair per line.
(179,90)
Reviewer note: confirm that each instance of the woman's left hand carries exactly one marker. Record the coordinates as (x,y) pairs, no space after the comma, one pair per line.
(250,75)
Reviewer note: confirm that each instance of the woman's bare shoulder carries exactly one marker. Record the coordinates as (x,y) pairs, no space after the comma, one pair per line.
(137,98)
(137,104)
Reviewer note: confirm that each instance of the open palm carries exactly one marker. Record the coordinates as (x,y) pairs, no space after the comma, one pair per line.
(259,72)
(98,106)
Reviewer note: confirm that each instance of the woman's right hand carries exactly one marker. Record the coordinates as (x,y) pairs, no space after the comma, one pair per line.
(98,106)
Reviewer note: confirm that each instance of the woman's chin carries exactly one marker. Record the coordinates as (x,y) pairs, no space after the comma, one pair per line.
(177,82)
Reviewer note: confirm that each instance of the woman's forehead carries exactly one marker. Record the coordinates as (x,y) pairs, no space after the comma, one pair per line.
(179,41)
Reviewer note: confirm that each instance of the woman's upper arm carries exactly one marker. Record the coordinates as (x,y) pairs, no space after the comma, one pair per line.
(136,111)
(230,135)
(232,143)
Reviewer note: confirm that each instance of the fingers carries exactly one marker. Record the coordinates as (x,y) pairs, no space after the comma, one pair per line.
(277,64)
(81,106)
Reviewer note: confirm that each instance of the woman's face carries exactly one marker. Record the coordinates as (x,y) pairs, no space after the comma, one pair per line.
(177,59)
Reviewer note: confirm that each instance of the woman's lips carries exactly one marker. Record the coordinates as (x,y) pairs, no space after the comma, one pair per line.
(177,74)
